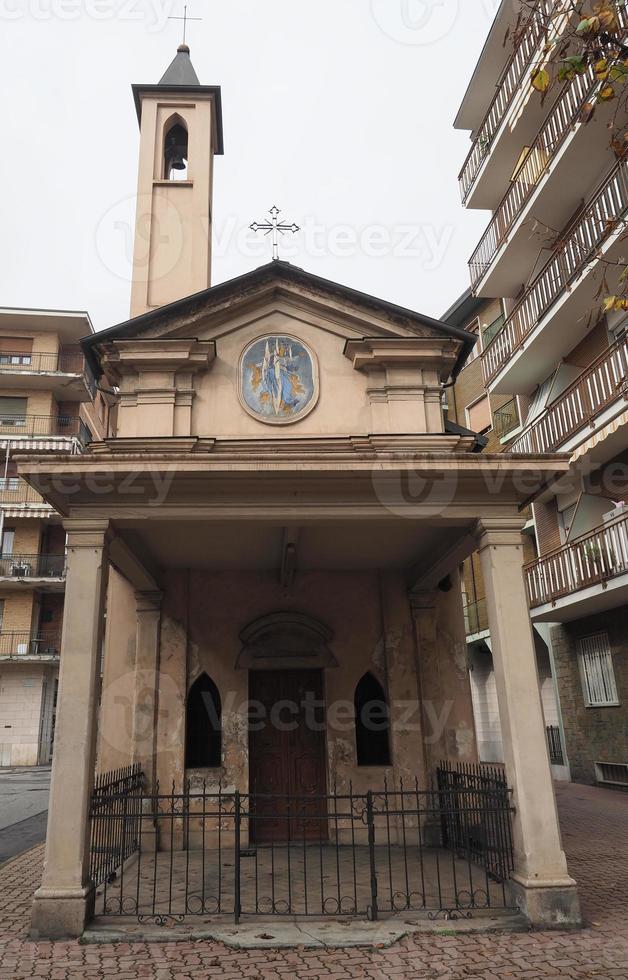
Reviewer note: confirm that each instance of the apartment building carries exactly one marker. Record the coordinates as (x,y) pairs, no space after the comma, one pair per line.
(496,418)
(553,368)
(49,403)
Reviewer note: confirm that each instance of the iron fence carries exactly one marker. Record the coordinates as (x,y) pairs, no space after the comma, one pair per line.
(115,821)
(162,857)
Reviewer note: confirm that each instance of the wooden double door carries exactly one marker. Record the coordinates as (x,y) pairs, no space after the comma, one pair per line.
(287,756)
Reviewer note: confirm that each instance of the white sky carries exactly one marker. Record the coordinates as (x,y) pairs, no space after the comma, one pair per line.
(339,111)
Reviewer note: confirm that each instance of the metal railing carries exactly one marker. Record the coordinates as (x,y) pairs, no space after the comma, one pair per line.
(32,566)
(25,644)
(13,491)
(517,69)
(555,745)
(476,617)
(565,114)
(25,426)
(581,243)
(58,363)
(397,849)
(506,418)
(594,558)
(576,408)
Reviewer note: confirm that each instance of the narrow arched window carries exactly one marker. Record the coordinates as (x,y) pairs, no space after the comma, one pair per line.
(372,723)
(176,153)
(203,734)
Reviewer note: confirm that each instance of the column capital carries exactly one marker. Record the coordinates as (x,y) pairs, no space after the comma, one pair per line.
(499,531)
(149,601)
(85,533)
(420,601)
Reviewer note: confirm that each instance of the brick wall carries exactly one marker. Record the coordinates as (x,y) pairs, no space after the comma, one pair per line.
(592,734)
(18,612)
(595,342)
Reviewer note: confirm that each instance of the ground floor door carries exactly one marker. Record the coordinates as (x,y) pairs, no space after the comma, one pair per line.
(287,755)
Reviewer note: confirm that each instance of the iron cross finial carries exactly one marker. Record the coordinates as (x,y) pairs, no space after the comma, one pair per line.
(276,228)
(185,20)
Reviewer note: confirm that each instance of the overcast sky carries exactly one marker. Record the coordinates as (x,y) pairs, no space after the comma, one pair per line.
(339,111)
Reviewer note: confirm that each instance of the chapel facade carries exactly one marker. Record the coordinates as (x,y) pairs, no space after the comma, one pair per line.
(277,518)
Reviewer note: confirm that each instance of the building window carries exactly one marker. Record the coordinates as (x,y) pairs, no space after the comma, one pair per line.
(176,151)
(203,734)
(372,723)
(598,675)
(12,412)
(479,415)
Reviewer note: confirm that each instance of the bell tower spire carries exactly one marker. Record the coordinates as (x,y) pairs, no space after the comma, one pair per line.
(180,132)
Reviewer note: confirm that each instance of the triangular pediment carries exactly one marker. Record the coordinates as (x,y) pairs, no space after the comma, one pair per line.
(280,289)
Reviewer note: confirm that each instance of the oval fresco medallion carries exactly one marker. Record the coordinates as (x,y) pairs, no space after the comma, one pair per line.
(278,379)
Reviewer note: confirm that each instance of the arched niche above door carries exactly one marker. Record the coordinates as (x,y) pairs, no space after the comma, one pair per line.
(285,641)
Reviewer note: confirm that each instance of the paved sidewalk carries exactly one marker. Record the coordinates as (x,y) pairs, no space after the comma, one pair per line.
(595,828)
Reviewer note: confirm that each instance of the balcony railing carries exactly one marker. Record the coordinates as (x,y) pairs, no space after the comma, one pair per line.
(506,418)
(577,407)
(27,426)
(476,617)
(32,566)
(595,557)
(582,241)
(517,69)
(36,363)
(29,645)
(565,114)
(14,492)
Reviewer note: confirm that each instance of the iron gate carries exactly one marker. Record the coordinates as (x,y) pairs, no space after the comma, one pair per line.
(442,851)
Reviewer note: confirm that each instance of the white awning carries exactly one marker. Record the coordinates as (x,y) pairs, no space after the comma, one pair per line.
(27,510)
(62,444)
(600,436)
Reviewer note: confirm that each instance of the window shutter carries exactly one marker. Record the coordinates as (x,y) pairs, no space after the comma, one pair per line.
(479,415)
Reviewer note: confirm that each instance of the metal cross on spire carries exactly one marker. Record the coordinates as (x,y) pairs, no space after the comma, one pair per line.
(185,20)
(276,228)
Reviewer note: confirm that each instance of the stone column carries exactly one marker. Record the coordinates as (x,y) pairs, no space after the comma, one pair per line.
(146,694)
(65,900)
(542,886)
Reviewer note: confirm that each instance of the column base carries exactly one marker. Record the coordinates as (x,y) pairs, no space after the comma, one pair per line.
(548,905)
(61,913)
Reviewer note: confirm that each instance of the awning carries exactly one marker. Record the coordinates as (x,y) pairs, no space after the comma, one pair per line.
(600,436)
(27,510)
(63,444)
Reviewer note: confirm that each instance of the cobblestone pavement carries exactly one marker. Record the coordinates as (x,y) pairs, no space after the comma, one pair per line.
(595,829)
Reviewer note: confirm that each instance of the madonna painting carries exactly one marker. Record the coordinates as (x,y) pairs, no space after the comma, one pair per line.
(278,379)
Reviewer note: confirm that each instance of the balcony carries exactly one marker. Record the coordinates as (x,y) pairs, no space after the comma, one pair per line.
(585,576)
(591,402)
(18,499)
(555,172)
(28,433)
(66,374)
(28,647)
(46,572)
(476,618)
(506,419)
(515,75)
(564,287)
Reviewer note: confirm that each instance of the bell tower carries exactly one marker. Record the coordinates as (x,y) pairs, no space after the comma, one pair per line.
(180,132)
